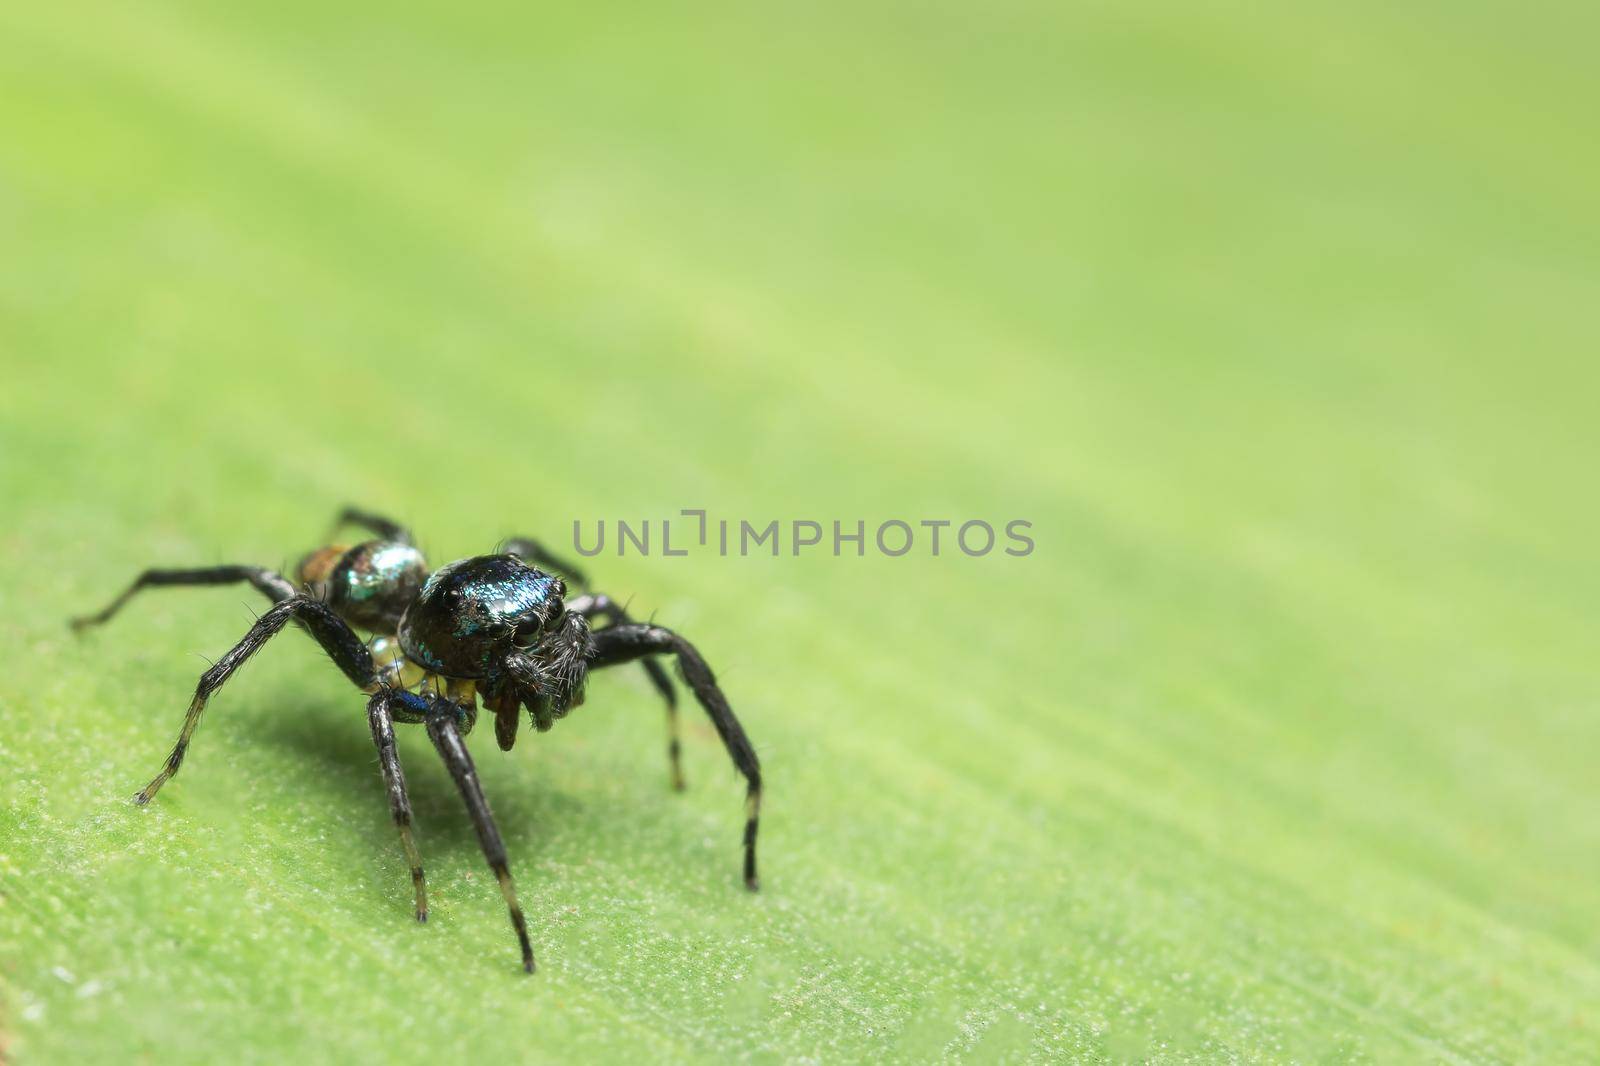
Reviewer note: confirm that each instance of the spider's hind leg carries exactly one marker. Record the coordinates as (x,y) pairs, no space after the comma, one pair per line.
(387,528)
(269,583)
(346,649)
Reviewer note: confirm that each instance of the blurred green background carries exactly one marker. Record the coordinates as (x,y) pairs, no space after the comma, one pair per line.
(1277,322)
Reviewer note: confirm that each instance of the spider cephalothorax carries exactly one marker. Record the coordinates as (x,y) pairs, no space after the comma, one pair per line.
(491,627)
(503,623)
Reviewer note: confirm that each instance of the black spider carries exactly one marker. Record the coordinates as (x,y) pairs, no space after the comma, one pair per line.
(491,626)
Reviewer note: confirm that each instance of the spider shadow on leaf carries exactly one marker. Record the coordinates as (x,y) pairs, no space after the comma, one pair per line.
(333,746)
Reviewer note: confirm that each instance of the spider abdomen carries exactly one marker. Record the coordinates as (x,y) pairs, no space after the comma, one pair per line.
(369,585)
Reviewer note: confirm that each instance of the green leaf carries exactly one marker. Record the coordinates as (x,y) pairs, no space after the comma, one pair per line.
(1275,323)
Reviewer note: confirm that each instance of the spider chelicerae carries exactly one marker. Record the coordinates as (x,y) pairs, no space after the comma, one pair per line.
(493,627)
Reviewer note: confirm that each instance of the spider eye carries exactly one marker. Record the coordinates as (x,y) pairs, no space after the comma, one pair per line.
(534,629)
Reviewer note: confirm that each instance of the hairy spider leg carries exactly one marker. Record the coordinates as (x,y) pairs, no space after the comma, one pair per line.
(599,605)
(624,643)
(446,737)
(386,528)
(272,585)
(381,719)
(346,649)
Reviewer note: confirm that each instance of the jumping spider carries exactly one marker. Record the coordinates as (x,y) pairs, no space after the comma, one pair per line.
(490,627)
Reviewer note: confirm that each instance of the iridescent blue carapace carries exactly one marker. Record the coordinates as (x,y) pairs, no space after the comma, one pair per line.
(470,611)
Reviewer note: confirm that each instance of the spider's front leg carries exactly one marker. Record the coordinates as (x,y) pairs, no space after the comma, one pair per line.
(346,649)
(442,720)
(599,605)
(380,717)
(625,643)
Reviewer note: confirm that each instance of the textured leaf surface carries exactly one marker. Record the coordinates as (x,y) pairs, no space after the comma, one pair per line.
(1277,323)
